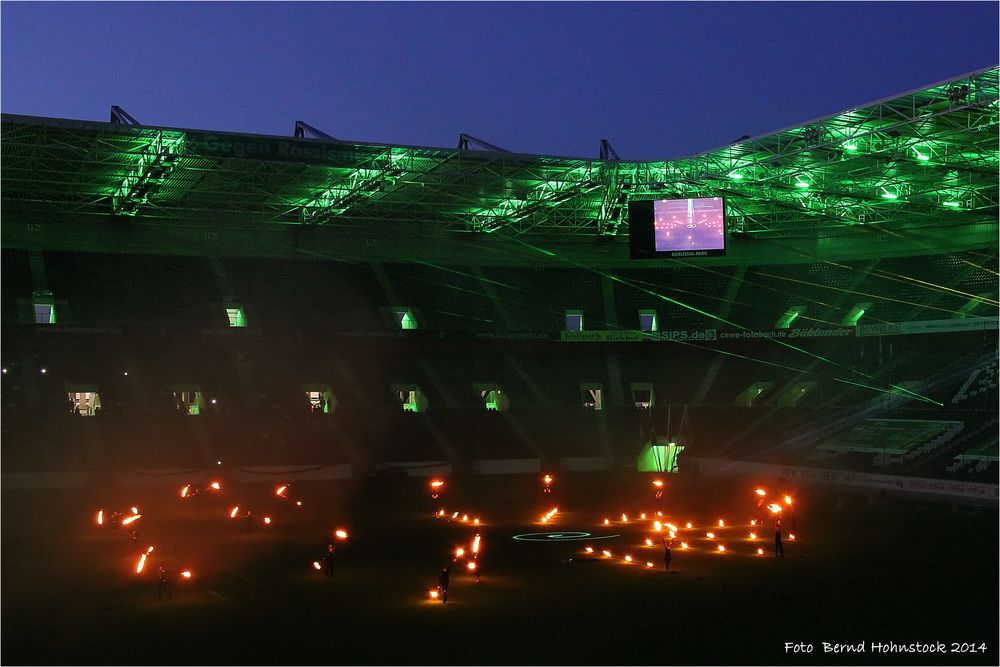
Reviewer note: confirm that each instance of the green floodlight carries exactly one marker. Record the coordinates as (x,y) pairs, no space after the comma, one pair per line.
(736,176)
(921,156)
(850,146)
(888,195)
(799,183)
(951,204)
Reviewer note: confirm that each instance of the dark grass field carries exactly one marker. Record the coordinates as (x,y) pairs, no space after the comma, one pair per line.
(896,570)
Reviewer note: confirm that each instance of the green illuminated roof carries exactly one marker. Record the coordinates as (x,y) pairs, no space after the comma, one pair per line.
(926,158)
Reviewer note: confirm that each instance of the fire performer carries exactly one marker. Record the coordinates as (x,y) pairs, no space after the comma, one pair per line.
(547,483)
(328,560)
(163,586)
(443,578)
(779,550)
(667,546)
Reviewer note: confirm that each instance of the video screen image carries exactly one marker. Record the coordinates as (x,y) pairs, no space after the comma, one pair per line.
(689,224)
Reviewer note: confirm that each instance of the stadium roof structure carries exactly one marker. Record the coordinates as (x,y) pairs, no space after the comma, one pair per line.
(925,158)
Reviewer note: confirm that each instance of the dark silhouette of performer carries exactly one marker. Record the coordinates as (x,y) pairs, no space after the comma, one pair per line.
(328,560)
(779,550)
(164,585)
(443,579)
(478,571)
(666,552)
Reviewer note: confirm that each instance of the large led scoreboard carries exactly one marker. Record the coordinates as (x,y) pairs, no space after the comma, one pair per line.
(677,227)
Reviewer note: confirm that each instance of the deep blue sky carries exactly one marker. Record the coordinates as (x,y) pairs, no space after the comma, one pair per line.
(658,80)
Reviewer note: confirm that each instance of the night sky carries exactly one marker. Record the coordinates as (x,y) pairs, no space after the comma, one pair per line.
(658,80)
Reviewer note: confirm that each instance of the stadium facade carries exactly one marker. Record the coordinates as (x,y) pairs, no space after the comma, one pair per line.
(311,301)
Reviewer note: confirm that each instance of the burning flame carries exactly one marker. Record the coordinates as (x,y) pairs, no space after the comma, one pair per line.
(648,564)
(135,510)
(649,542)
(433,593)
(791,537)
(684,545)
(437,484)
(753,522)
(658,483)
(710,536)
(722,548)
(589,550)
(628,559)
(281,490)
(233,512)
(267,520)
(100,517)
(672,534)
(149,550)
(140,564)
(341,534)
(760,552)
(761,492)
(774,508)
(753,536)
(788,500)
(216,486)
(476,521)
(186,574)
(459,552)
(465,517)
(298,503)
(657,526)
(721,524)
(441,513)
(624,517)
(316,565)
(455,515)
(129,519)
(471,565)
(672,527)
(547,479)
(687,525)
(606,522)
(184,491)
(607,554)
(475,544)
(642,516)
